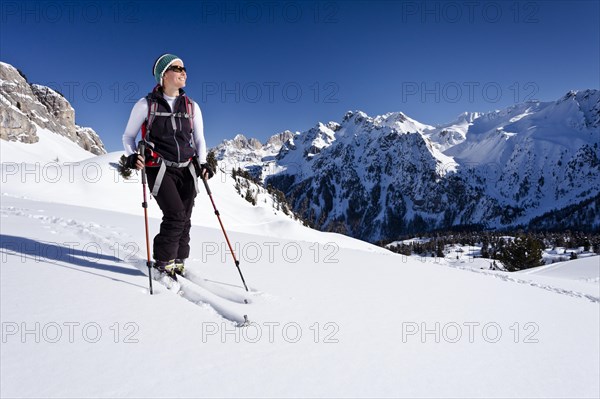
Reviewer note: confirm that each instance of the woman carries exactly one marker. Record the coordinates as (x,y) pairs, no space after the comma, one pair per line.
(173,134)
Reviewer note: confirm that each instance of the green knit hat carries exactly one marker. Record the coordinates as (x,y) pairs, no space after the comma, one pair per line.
(161,64)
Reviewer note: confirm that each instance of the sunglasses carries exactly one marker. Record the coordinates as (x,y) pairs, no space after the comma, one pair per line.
(176,68)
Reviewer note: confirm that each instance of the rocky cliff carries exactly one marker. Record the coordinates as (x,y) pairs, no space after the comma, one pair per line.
(25,106)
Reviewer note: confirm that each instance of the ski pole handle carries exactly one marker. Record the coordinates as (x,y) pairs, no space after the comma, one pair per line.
(142,152)
(142,148)
(206,185)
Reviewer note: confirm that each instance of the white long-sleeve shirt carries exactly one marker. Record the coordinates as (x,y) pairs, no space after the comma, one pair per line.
(139,113)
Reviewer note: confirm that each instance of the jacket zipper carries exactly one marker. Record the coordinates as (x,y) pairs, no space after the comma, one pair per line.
(175,129)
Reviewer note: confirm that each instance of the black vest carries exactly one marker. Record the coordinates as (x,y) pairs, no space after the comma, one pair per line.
(172,136)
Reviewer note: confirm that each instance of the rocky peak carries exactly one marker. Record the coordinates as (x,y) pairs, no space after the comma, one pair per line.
(358,117)
(277,140)
(468,117)
(240,142)
(333,126)
(25,106)
(570,94)
(391,117)
(589,104)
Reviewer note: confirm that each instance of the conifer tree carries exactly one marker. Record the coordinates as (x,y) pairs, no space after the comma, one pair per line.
(523,252)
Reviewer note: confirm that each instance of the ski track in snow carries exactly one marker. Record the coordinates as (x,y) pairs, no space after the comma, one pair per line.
(546,287)
(207,295)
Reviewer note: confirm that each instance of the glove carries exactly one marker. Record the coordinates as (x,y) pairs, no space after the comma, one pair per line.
(132,161)
(203,168)
(206,169)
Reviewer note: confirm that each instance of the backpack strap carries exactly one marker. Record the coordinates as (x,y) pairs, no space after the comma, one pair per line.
(189,106)
(147,126)
(163,168)
(151,156)
(153,112)
(159,178)
(192,169)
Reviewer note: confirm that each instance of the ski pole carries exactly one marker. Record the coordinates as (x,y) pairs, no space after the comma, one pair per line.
(237,262)
(142,151)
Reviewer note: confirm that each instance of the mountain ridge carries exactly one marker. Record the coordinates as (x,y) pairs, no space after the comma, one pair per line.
(377,177)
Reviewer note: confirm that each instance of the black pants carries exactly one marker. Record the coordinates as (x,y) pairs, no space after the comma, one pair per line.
(176,200)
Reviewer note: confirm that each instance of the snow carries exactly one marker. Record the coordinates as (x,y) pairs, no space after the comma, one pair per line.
(579,278)
(49,148)
(585,269)
(415,240)
(331,316)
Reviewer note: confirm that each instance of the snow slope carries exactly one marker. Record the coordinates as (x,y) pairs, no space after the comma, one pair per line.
(31,171)
(331,316)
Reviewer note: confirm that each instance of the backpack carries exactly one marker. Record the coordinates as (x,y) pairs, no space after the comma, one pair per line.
(152,157)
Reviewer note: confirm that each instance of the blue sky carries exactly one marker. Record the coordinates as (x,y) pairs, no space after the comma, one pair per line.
(259,68)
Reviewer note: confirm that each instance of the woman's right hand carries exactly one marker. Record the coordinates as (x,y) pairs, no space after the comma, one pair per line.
(135,161)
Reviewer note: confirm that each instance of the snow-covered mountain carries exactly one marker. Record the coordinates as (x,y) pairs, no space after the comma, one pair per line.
(379,177)
(251,154)
(25,108)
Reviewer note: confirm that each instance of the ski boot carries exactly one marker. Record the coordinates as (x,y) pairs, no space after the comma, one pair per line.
(179,267)
(167,268)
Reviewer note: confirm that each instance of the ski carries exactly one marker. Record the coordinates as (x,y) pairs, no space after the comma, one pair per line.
(216,288)
(169,282)
(200,295)
(223,306)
